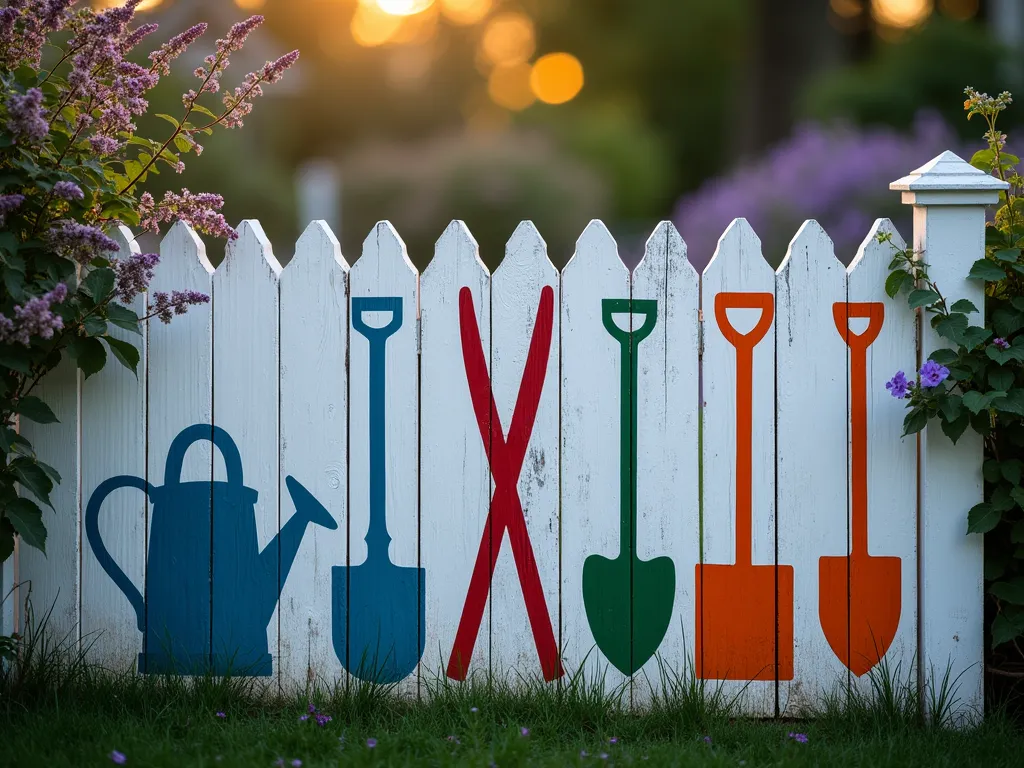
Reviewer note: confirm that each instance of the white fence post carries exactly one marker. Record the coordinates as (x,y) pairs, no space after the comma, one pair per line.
(949,198)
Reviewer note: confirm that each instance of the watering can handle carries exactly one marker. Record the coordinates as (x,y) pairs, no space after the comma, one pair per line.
(193,434)
(92,530)
(363,304)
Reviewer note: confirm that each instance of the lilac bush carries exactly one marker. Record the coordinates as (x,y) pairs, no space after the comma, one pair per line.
(72,166)
(837,175)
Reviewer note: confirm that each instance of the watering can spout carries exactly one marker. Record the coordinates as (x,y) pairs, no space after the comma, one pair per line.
(286,544)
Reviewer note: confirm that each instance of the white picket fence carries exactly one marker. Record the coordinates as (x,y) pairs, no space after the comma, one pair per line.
(801,456)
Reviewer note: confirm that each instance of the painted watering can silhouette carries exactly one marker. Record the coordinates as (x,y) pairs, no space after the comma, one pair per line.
(203,532)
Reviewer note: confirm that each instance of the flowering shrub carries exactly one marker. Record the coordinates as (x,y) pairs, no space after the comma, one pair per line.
(976,382)
(71,167)
(837,175)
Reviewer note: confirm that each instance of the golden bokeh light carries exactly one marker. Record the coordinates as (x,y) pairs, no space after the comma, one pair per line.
(250,5)
(145,5)
(556,78)
(508,39)
(466,12)
(509,86)
(372,27)
(403,7)
(901,13)
(847,9)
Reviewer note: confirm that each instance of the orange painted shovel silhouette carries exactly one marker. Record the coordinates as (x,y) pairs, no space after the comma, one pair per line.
(736,604)
(859,595)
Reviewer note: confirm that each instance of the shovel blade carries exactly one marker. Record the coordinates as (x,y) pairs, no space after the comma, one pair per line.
(859,605)
(736,622)
(377,620)
(629,607)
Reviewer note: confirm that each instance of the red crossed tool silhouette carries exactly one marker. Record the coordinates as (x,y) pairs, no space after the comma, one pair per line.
(506,511)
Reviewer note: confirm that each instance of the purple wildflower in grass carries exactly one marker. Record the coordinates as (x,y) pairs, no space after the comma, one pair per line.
(613,740)
(118,757)
(707,739)
(584,753)
(322,719)
(798,737)
(304,718)
(474,710)
(1001,343)
(932,374)
(68,190)
(25,116)
(222,715)
(312,709)
(603,756)
(371,743)
(296,763)
(524,732)
(898,385)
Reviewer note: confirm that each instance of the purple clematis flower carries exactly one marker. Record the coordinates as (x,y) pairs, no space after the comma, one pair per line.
(898,385)
(932,374)
(1001,343)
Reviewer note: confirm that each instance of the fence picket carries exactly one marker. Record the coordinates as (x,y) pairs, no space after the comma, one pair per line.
(314,448)
(891,459)
(385,617)
(596,465)
(524,626)
(736,616)
(668,462)
(455,477)
(811,396)
(114,443)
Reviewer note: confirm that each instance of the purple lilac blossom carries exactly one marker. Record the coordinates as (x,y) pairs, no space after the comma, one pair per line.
(173,48)
(200,211)
(238,103)
(898,385)
(831,174)
(34,318)
(79,241)
(68,190)
(26,117)
(166,305)
(133,275)
(932,374)
(218,62)
(9,203)
(1001,343)
(24,26)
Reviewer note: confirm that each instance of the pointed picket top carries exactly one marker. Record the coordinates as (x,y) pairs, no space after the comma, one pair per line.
(456,248)
(665,248)
(524,250)
(317,241)
(948,173)
(251,240)
(384,245)
(181,241)
(738,250)
(807,252)
(125,241)
(596,249)
(875,254)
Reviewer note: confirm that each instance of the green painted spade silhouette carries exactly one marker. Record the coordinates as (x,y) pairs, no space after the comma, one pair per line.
(628,600)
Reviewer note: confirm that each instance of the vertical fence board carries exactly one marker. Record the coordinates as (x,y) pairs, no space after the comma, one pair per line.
(114,443)
(736,617)
(8,596)
(596,466)
(455,477)
(179,368)
(245,405)
(54,579)
(314,448)
(524,635)
(811,460)
(668,463)
(891,459)
(384,603)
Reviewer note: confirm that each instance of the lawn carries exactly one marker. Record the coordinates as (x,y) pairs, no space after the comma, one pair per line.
(68,715)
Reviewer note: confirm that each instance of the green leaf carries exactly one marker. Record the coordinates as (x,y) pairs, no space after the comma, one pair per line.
(1001,378)
(1011,591)
(915,421)
(182,143)
(922,297)
(27,519)
(974,335)
(14,282)
(203,111)
(170,120)
(955,429)
(88,354)
(951,406)
(33,408)
(99,283)
(964,306)
(896,280)
(1011,470)
(1003,630)
(1009,255)
(952,327)
(944,356)
(1002,500)
(1007,321)
(991,471)
(983,160)
(1017,532)
(976,402)
(16,357)
(33,478)
(995,565)
(123,317)
(984,269)
(95,325)
(982,519)
(51,473)
(125,352)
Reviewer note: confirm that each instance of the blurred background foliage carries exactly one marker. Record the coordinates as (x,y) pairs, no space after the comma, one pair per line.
(559,111)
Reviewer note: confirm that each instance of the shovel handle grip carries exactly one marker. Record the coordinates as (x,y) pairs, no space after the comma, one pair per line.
(363,304)
(872,311)
(762,301)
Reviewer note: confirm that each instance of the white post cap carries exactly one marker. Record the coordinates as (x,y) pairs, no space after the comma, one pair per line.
(949,180)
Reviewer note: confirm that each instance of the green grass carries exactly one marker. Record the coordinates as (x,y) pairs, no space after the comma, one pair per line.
(60,712)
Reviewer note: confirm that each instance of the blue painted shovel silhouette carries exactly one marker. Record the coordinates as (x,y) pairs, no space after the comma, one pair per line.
(380,637)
